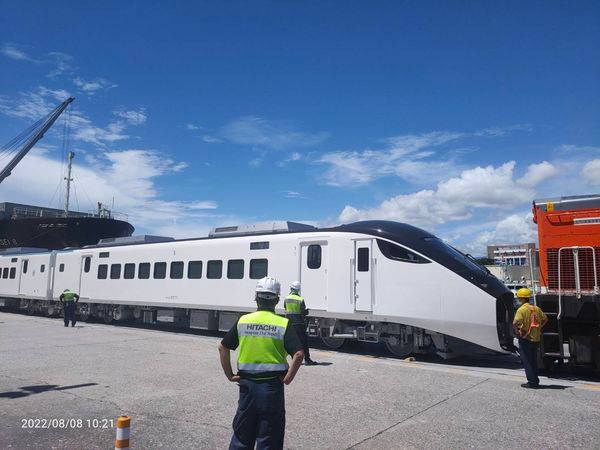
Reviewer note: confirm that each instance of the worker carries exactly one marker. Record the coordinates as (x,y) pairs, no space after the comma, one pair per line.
(295,310)
(527,324)
(265,339)
(69,299)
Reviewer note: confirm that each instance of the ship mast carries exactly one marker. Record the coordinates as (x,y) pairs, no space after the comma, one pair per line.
(34,138)
(69,179)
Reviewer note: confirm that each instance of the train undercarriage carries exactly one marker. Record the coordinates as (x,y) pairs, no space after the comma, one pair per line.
(400,340)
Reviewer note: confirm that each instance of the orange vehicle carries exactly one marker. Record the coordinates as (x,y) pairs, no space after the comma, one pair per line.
(569,253)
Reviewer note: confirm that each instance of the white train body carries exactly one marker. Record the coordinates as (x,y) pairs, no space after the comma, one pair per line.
(361,281)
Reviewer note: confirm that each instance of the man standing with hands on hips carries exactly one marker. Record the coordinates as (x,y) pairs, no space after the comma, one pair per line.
(295,310)
(264,340)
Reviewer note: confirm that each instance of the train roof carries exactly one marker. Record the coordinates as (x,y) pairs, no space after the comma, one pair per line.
(569,203)
(399,232)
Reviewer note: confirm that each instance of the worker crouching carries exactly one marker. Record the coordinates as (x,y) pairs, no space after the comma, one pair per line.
(264,340)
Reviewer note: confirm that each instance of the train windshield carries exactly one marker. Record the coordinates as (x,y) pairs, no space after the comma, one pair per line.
(455,255)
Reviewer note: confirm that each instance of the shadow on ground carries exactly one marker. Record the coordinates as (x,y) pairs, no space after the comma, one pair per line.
(38,389)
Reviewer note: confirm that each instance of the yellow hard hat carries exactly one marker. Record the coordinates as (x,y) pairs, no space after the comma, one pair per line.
(524,293)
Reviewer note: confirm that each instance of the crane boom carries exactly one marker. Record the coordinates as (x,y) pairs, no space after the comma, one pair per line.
(50,119)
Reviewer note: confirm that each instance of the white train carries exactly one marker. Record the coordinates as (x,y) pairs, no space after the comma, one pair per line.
(373,281)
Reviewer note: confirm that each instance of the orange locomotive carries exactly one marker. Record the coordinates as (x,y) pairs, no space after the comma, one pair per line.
(569,253)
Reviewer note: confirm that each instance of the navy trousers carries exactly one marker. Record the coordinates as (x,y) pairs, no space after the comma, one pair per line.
(528,352)
(300,329)
(260,417)
(69,313)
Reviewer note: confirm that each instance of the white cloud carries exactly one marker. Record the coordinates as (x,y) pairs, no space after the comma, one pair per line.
(191,127)
(255,162)
(536,173)
(134,117)
(37,104)
(211,139)
(412,157)
(404,156)
(274,135)
(90,87)
(516,228)
(61,62)
(591,172)
(293,194)
(203,205)
(453,199)
(128,176)
(13,51)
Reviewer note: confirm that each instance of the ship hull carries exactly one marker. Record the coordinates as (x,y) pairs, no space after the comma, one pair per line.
(61,232)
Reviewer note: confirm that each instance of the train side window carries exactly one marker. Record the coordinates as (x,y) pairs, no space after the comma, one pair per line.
(235,269)
(42,268)
(5,272)
(363,259)
(176,271)
(25,265)
(129,271)
(61,268)
(194,269)
(160,270)
(259,245)
(102,271)
(258,268)
(313,256)
(13,272)
(393,251)
(214,269)
(87,263)
(115,271)
(144,271)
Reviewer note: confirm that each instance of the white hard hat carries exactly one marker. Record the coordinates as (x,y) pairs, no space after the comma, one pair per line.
(295,285)
(268,285)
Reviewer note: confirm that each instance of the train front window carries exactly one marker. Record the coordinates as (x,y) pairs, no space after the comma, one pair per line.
(454,254)
(393,251)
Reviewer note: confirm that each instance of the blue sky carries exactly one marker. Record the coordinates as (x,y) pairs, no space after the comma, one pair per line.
(451,116)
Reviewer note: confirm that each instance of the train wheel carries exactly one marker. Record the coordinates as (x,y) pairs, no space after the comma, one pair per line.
(52,310)
(107,316)
(333,343)
(400,348)
(84,312)
(30,308)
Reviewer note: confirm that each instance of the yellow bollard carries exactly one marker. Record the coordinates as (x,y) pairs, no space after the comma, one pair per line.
(122,441)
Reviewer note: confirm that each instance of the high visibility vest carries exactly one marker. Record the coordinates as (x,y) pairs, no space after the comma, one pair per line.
(293,304)
(68,297)
(533,320)
(261,346)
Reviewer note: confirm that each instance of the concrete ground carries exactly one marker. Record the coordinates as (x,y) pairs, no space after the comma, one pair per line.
(172,386)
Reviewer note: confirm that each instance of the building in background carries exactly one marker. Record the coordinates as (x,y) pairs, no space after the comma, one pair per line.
(511,254)
(514,263)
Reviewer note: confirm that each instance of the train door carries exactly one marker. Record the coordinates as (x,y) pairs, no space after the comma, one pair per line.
(363,275)
(313,273)
(85,276)
(23,272)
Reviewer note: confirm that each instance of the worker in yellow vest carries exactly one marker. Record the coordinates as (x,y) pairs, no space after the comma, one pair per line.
(527,324)
(265,339)
(69,299)
(295,310)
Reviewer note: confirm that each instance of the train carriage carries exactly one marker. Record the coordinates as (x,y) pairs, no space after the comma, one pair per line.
(374,281)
